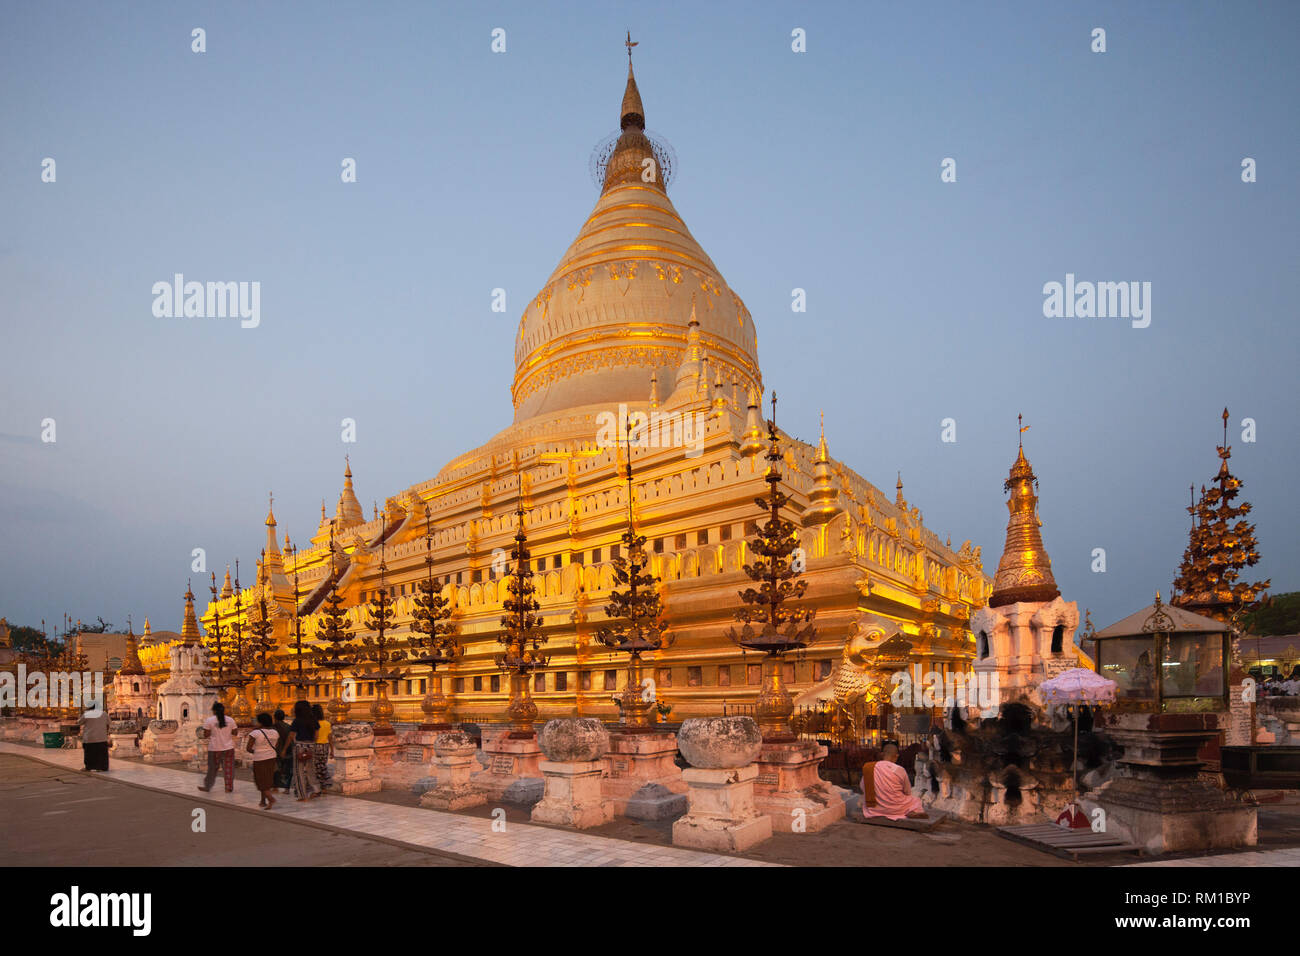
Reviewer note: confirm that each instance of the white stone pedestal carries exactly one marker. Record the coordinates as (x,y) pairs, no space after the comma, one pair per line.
(789,791)
(123,746)
(454,762)
(641,778)
(352,771)
(512,774)
(721,814)
(572,795)
(158,745)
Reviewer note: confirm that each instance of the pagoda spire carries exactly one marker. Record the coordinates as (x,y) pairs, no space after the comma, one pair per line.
(348,512)
(824,498)
(626,162)
(1025,571)
(190,626)
(226,589)
(632,113)
(131,662)
(752,441)
(1221,543)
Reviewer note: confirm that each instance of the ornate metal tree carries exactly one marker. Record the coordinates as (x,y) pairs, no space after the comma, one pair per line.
(1221,544)
(237,676)
(381,651)
(215,641)
(433,641)
(293,676)
(520,635)
(636,616)
(784,628)
(261,646)
(338,653)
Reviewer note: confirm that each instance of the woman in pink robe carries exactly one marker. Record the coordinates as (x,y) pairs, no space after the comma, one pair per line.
(889,793)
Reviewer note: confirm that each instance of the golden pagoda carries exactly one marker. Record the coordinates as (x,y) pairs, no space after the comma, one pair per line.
(1025,571)
(1026,634)
(635,326)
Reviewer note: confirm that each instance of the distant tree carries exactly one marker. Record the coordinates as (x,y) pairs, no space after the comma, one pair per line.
(1279,615)
(29,640)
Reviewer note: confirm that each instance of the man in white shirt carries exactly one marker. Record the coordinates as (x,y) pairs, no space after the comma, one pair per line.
(220,732)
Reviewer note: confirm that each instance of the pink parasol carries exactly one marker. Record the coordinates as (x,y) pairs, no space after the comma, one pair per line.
(1078,685)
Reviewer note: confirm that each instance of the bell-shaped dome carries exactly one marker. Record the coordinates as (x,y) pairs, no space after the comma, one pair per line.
(616,309)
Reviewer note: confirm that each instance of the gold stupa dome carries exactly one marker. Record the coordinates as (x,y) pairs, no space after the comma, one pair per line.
(616,309)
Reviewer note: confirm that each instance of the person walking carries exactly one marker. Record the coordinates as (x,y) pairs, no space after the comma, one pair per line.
(262,745)
(94,739)
(220,732)
(324,747)
(302,738)
(284,761)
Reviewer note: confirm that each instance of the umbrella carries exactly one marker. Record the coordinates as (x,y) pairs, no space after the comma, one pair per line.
(1078,685)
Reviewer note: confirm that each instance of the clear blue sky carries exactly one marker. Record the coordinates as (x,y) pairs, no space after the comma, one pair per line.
(817,170)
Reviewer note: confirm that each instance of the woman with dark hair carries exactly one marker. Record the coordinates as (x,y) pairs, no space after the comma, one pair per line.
(221,732)
(324,747)
(284,761)
(261,744)
(302,739)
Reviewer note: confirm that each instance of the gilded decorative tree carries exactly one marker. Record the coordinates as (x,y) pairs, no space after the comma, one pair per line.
(293,677)
(636,619)
(1222,543)
(521,635)
(381,651)
(261,646)
(338,653)
(784,628)
(433,640)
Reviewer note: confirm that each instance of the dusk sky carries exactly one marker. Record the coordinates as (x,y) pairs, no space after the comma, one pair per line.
(817,170)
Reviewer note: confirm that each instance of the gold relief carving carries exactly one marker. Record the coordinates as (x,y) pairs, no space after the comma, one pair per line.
(622,270)
(580,279)
(540,361)
(668,271)
(642,356)
(543,300)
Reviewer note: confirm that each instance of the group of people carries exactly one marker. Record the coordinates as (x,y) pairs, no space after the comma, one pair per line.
(287,757)
(1275,685)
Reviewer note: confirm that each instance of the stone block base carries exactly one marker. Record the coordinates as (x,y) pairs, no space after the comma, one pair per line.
(511,774)
(353,772)
(450,787)
(789,791)
(572,796)
(721,814)
(1170,816)
(641,778)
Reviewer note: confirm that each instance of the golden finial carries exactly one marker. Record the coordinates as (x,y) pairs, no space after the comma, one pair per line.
(632,113)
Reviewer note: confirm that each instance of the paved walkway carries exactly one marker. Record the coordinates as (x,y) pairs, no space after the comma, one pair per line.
(472,837)
(1287,856)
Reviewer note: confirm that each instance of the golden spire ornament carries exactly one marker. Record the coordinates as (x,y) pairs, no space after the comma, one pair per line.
(381,650)
(332,631)
(636,619)
(521,634)
(1025,571)
(433,639)
(1221,544)
(784,628)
